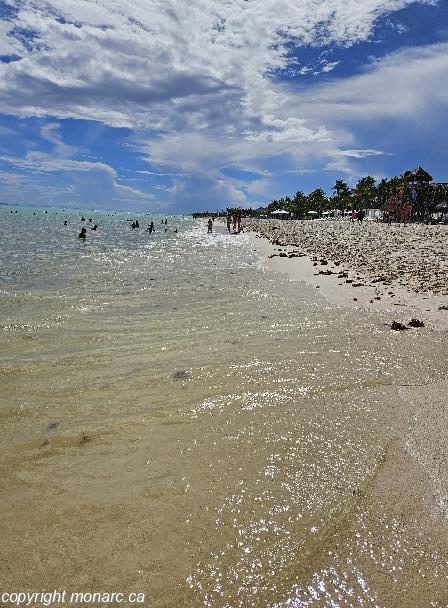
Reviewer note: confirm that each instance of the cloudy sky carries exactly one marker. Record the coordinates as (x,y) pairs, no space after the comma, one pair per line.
(172,106)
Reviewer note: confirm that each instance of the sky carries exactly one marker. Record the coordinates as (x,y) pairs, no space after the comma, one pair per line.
(168,106)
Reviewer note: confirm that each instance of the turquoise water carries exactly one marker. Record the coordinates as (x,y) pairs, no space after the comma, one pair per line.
(177,420)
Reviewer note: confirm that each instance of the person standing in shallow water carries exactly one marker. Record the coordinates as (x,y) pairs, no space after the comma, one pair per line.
(210,225)
(82,234)
(361,215)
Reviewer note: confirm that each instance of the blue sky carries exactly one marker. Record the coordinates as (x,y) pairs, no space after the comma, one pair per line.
(170,108)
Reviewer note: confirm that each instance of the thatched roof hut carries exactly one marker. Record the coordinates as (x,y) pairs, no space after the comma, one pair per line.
(418,175)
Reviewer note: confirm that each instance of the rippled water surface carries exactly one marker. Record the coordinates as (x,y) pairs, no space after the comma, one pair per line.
(179,421)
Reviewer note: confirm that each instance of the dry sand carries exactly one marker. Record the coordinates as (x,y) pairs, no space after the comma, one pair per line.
(403,269)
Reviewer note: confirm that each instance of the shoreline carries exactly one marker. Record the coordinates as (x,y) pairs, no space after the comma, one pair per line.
(423,443)
(215,415)
(359,288)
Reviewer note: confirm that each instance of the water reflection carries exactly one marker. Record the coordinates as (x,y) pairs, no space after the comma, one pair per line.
(176,418)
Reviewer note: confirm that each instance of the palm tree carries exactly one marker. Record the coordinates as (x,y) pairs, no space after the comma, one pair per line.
(365,193)
(317,201)
(299,203)
(342,195)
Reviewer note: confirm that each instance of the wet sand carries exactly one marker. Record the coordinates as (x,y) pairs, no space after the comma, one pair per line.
(201,429)
(399,270)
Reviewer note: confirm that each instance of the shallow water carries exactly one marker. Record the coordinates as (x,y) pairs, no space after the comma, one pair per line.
(178,420)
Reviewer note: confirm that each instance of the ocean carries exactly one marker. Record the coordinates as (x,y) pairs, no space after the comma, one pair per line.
(179,421)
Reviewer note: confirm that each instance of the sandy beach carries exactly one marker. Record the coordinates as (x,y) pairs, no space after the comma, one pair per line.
(180,419)
(399,271)
(398,268)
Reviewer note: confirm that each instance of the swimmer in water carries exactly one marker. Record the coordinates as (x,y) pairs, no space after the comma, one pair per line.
(65,222)
(82,234)
(94,227)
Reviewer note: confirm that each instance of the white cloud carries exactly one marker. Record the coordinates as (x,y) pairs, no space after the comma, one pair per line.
(50,132)
(329,67)
(8,44)
(100,183)
(11,179)
(408,85)
(197,81)
(233,195)
(162,64)
(358,153)
(43,162)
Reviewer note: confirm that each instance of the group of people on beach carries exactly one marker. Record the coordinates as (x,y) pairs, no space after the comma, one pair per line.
(358,216)
(234,221)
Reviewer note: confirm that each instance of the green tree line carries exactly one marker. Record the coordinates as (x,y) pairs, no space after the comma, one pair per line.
(366,194)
